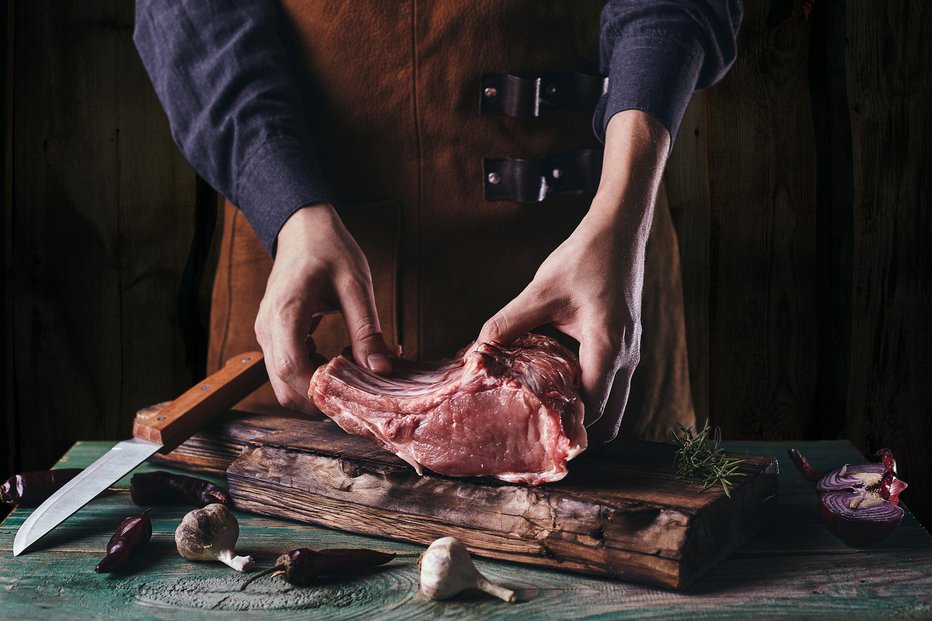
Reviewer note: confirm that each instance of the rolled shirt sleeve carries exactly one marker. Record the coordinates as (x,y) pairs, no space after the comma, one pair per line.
(658,52)
(226,83)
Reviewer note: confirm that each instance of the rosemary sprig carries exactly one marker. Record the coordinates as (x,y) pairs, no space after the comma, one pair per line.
(701,458)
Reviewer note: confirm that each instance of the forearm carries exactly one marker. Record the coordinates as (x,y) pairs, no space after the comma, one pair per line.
(636,147)
(235,110)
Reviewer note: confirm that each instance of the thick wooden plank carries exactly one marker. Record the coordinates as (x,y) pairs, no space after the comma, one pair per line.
(763,234)
(889,93)
(619,512)
(59,582)
(102,211)
(605,519)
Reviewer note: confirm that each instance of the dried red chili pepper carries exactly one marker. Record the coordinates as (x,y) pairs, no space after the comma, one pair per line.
(164,488)
(33,488)
(132,533)
(301,566)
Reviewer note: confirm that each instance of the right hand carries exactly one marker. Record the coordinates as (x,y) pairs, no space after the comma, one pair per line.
(318,269)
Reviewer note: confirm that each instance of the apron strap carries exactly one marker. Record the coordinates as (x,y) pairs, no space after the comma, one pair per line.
(531,181)
(532,95)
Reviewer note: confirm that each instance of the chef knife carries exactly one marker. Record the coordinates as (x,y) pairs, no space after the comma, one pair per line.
(164,430)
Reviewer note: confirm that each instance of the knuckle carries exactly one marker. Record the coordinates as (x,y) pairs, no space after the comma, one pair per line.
(366,331)
(496,326)
(286,368)
(353,283)
(260,328)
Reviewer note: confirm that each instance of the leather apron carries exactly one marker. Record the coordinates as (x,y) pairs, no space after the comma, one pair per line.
(394,90)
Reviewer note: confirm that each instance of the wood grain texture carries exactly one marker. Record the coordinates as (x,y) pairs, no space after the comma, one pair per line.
(795,570)
(203,403)
(762,356)
(889,93)
(102,214)
(686,182)
(619,512)
(8,452)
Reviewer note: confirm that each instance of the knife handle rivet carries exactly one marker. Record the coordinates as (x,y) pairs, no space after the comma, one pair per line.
(246,359)
(160,418)
(206,387)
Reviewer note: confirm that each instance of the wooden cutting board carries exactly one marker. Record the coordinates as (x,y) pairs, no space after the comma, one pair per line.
(619,513)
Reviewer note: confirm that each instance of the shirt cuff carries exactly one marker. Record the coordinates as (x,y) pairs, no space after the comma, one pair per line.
(651,74)
(278,180)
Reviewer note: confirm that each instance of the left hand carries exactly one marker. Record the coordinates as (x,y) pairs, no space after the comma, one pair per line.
(590,287)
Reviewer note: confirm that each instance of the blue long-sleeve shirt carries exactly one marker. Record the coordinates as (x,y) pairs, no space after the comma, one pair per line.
(234,106)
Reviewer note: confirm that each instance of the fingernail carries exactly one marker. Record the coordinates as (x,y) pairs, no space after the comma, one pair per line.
(379,363)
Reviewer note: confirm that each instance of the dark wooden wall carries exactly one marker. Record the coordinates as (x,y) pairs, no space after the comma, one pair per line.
(799,186)
(99,221)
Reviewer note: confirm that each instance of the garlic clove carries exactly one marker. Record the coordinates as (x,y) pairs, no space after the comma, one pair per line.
(447,570)
(210,534)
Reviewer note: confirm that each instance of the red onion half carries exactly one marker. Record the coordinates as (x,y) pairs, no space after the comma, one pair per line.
(860,503)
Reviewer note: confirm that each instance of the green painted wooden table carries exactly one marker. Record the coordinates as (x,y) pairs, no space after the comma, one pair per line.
(795,570)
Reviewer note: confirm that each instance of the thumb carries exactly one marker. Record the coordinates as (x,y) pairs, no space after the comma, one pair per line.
(362,322)
(518,317)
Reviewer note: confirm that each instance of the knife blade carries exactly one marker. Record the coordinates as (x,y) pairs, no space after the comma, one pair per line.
(161,432)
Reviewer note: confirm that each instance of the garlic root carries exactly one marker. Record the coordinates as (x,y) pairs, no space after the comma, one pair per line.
(497,590)
(447,570)
(239,563)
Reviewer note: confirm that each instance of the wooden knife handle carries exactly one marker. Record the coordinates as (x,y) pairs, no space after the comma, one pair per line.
(199,406)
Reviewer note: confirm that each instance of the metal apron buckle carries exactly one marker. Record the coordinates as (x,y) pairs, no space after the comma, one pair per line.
(533,180)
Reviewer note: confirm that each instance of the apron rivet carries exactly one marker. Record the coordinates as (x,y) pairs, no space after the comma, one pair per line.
(490,91)
(494,178)
(551,89)
(556,173)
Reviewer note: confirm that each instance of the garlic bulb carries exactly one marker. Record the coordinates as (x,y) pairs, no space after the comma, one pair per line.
(210,534)
(447,570)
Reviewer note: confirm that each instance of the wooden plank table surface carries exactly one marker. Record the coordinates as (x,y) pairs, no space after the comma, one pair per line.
(795,570)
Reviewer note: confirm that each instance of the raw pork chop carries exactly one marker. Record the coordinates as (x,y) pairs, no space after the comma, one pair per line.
(513,413)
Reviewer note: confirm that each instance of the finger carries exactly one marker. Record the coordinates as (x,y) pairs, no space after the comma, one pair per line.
(518,317)
(290,398)
(362,322)
(290,361)
(599,361)
(606,428)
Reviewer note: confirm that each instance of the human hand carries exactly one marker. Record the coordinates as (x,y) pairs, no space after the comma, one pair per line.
(318,269)
(590,287)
